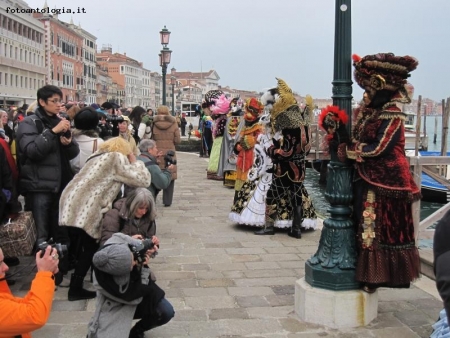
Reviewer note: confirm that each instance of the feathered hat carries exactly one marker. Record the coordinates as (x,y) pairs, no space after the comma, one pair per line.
(210,97)
(332,117)
(384,71)
(221,105)
(285,112)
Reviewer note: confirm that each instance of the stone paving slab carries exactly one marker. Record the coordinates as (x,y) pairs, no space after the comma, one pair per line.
(224,281)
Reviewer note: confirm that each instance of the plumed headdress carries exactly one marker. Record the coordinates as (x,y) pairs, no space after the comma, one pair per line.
(285,112)
(384,71)
(210,97)
(221,105)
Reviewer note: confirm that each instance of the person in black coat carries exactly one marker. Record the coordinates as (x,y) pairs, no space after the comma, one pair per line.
(441,250)
(44,149)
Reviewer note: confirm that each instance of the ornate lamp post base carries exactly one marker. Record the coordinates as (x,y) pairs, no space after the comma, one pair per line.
(333,265)
(331,279)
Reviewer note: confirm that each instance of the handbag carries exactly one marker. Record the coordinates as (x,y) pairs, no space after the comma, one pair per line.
(18,235)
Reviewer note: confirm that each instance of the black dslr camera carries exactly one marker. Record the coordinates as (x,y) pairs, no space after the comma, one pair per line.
(61,249)
(114,118)
(140,250)
(169,158)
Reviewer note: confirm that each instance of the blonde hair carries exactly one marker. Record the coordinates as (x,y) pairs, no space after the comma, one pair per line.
(116,144)
(31,108)
(163,110)
(72,111)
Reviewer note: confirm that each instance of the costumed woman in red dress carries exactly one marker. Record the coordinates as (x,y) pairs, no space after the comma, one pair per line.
(384,188)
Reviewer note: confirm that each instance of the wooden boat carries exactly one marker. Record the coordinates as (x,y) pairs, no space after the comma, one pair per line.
(435,188)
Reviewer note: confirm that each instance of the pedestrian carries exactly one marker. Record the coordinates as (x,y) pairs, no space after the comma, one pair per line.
(86,135)
(91,194)
(441,248)
(166,135)
(20,316)
(384,188)
(183,123)
(127,134)
(45,146)
(138,125)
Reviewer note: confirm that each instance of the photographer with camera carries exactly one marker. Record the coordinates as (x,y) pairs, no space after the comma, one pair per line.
(91,194)
(44,148)
(151,157)
(19,316)
(133,215)
(166,134)
(123,293)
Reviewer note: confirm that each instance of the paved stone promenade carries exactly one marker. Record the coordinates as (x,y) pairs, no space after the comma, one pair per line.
(226,282)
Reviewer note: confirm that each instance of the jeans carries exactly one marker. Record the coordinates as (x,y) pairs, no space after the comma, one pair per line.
(164,312)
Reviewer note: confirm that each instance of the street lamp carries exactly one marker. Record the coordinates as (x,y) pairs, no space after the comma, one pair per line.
(173,81)
(333,265)
(164,58)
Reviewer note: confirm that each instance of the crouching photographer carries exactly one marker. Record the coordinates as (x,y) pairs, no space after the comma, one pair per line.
(124,292)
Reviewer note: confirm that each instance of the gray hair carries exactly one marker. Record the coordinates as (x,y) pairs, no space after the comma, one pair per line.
(145,144)
(138,198)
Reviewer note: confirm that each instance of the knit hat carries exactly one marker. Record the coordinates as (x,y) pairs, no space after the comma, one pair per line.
(115,260)
(384,71)
(86,119)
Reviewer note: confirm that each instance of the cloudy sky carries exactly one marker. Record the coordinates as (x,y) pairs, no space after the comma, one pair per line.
(249,43)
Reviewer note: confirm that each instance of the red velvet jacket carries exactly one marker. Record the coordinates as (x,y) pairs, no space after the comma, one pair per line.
(380,135)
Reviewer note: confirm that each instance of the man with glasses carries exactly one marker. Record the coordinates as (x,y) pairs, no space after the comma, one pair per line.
(45,147)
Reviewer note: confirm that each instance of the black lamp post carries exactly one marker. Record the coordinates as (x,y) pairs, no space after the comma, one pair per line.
(173,81)
(333,265)
(164,58)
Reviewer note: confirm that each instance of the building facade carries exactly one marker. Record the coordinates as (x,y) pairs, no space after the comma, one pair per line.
(64,59)
(87,88)
(22,53)
(128,73)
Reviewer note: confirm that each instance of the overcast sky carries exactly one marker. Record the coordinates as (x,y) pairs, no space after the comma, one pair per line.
(249,43)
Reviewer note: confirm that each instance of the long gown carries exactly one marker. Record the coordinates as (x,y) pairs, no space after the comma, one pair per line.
(250,206)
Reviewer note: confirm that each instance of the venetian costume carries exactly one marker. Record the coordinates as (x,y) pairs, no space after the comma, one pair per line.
(291,144)
(219,111)
(205,123)
(384,188)
(250,206)
(250,130)
(227,162)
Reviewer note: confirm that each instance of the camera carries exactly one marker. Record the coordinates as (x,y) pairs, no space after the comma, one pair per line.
(114,118)
(66,134)
(140,250)
(169,158)
(61,249)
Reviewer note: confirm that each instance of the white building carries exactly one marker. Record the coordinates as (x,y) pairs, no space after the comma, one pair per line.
(22,52)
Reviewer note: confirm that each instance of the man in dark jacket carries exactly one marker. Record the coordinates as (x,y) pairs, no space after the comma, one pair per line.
(442,260)
(45,147)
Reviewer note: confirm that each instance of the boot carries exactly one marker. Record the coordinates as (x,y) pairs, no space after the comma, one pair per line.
(137,331)
(76,291)
(267,230)
(295,230)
